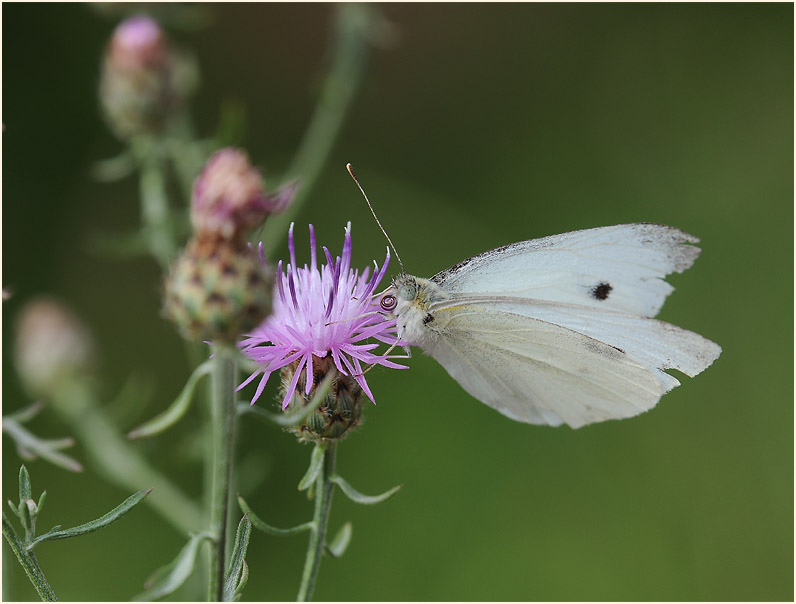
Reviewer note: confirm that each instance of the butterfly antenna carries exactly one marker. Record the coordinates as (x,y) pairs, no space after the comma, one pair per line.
(350,169)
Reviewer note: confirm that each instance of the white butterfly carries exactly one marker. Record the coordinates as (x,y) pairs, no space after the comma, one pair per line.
(558,330)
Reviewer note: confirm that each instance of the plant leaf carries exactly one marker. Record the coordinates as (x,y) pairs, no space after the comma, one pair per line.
(24,483)
(169,578)
(176,410)
(267,528)
(295,418)
(316,464)
(26,413)
(341,540)
(94,525)
(113,168)
(237,563)
(31,446)
(358,497)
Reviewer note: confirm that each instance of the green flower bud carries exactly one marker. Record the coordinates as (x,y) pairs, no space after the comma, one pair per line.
(338,414)
(217,289)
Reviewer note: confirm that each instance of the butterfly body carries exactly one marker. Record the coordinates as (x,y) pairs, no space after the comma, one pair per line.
(559,329)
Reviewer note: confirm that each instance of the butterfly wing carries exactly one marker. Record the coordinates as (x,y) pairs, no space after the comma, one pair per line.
(619,268)
(550,363)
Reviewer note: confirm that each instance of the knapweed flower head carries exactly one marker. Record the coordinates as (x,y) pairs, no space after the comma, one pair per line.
(229,196)
(144,81)
(217,289)
(323,318)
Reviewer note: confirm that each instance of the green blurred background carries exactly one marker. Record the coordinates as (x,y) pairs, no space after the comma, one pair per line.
(477,126)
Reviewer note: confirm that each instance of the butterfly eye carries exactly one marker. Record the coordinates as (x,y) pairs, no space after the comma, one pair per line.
(388,302)
(408,291)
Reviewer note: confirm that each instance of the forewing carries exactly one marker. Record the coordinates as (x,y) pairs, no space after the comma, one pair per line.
(618,268)
(542,371)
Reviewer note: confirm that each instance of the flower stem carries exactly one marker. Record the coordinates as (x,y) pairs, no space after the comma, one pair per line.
(223,379)
(324,487)
(158,224)
(349,49)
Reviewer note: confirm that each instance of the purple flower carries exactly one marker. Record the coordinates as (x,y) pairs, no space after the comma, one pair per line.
(317,313)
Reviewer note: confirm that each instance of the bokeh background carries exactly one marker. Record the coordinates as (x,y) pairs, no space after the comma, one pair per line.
(475,126)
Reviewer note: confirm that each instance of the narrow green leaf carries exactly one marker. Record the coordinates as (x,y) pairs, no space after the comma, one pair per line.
(169,578)
(316,464)
(295,418)
(244,579)
(26,413)
(97,524)
(28,563)
(24,483)
(176,410)
(236,561)
(358,497)
(31,446)
(341,540)
(267,528)
(113,168)
(42,497)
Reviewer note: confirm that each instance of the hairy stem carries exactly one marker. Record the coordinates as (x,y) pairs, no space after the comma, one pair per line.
(324,487)
(28,561)
(223,378)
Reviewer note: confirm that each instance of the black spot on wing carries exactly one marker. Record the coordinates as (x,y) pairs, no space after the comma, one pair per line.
(601,291)
(428,319)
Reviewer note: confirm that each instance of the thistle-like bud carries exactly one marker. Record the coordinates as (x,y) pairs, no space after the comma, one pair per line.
(229,196)
(142,83)
(217,289)
(52,345)
(337,415)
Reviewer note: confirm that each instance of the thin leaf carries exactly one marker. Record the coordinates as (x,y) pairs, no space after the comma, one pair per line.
(236,562)
(267,528)
(28,442)
(28,563)
(114,168)
(176,410)
(24,483)
(94,525)
(295,418)
(316,464)
(26,413)
(358,497)
(341,540)
(169,578)
(244,579)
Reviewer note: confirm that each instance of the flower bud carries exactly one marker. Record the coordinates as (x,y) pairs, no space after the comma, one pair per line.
(229,196)
(140,82)
(338,414)
(52,345)
(217,289)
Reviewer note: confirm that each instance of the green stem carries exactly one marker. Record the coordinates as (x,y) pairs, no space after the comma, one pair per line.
(28,561)
(116,460)
(223,378)
(155,203)
(324,487)
(349,51)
